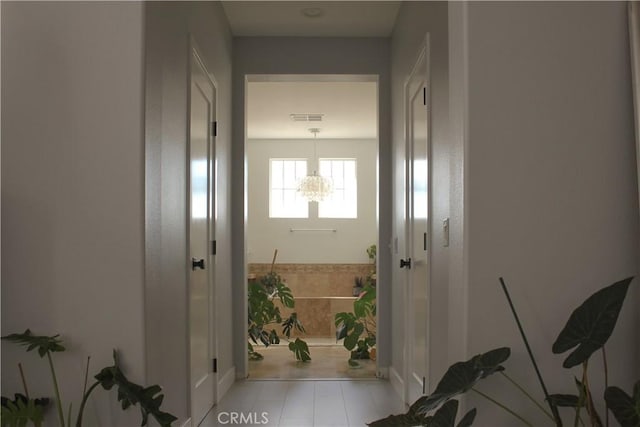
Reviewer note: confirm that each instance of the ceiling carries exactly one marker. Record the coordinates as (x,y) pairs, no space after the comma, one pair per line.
(349,109)
(327,18)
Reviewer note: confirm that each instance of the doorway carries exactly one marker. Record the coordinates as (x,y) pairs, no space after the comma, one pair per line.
(323,251)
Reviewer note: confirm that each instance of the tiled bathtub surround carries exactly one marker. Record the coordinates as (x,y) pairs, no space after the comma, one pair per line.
(320,291)
(316,280)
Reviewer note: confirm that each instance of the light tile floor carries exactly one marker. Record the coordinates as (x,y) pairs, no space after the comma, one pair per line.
(309,403)
(327,361)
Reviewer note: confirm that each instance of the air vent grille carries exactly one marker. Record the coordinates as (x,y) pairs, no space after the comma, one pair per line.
(306,117)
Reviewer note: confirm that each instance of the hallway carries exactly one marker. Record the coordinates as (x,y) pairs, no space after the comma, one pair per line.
(307,403)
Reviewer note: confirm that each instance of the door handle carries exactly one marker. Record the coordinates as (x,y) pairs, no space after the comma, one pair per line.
(197,263)
(405,263)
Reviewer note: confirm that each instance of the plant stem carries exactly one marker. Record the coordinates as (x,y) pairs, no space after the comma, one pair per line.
(69,415)
(24,381)
(490,399)
(86,377)
(554,409)
(56,390)
(85,397)
(606,383)
(580,398)
(275,254)
(595,421)
(528,395)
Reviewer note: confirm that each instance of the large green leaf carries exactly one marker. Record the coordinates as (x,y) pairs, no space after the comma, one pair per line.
(468,418)
(21,410)
(590,325)
(445,416)
(290,323)
(44,344)
(351,340)
(300,349)
(462,376)
(625,408)
(149,398)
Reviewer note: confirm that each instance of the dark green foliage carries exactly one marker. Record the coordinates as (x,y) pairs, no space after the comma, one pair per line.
(468,418)
(590,325)
(19,411)
(625,408)
(300,349)
(22,410)
(148,399)
(44,344)
(262,312)
(459,378)
(358,328)
(462,376)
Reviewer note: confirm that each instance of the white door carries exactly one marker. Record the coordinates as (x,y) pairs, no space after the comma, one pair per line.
(418,227)
(201,275)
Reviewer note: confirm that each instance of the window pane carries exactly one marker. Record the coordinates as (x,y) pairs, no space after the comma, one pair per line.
(284,201)
(343,202)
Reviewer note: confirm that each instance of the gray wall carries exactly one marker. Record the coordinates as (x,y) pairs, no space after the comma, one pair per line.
(72,186)
(415,20)
(348,244)
(168,27)
(552,203)
(267,55)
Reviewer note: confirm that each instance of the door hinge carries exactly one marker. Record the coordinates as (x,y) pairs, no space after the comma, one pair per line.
(214,247)
(214,128)
(424,385)
(424,95)
(425,241)
(215,365)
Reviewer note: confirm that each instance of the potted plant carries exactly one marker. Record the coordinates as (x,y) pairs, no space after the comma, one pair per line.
(587,330)
(358,328)
(262,312)
(24,409)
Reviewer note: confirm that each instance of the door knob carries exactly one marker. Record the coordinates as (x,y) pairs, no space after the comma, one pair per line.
(197,263)
(405,263)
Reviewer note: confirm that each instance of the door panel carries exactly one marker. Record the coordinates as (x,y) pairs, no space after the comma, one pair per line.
(201,289)
(418,208)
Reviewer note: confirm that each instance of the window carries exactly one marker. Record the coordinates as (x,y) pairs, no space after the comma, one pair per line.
(343,202)
(284,200)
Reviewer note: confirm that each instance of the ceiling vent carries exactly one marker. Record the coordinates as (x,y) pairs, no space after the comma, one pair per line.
(306,117)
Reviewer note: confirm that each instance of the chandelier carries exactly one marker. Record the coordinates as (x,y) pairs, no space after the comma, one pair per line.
(315,188)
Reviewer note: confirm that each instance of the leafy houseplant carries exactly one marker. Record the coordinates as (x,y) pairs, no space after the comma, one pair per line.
(358,329)
(358,284)
(587,331)
(148,399)
(372,253)
(262,312)
(21,410)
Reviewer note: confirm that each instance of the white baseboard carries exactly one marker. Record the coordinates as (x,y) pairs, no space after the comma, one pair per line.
(383,372)
(225,383)
(397,382)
